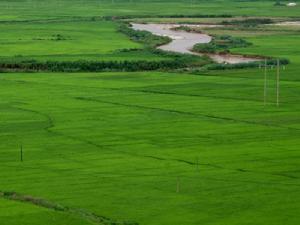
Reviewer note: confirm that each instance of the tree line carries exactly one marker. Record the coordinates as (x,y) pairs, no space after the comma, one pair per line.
(92,66)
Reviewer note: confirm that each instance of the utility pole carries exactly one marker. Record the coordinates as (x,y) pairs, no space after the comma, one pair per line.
(278,80)
(265,83)
(178,185)
(21,153)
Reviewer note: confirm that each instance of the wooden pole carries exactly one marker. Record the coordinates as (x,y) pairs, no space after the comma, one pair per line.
(21,153)
(278,80)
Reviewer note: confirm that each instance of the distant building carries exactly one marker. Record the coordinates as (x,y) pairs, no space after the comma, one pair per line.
(292,4)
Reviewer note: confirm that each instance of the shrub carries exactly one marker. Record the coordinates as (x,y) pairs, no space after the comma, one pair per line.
(92,66)
(248,22)
(221,44)
(145,37)
(270,62)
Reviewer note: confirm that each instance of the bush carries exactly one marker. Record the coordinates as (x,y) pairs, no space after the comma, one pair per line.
(221,44)
(145,37)
(187,29)
(93,66)
(270,62)
(248,22)
(278,3)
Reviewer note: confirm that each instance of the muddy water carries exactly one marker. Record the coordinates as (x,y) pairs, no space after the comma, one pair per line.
(183,41)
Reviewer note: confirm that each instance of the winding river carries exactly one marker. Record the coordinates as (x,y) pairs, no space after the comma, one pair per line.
(183,41)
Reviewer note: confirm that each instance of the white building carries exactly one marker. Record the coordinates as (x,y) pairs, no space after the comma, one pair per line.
(292,4)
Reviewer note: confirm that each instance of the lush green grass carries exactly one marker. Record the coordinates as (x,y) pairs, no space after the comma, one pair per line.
(272,41)
(286,46)
(115,143)
(29,9)
(120,144)
(68,41)
(15,213)
(268,40)
(63,30)
(92,41)
(113,56)
(59,38)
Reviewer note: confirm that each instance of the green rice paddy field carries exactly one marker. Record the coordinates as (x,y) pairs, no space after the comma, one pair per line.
(148,148)
(68,41)
(36,9)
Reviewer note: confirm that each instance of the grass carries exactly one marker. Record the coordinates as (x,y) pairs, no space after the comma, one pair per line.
(14,213)
(275,41)
(118,142)
(156,148)
(68,41)
(286,46)
(89,41)
(13,10)
(60,38)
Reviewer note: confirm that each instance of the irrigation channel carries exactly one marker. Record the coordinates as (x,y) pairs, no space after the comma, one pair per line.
(183,41)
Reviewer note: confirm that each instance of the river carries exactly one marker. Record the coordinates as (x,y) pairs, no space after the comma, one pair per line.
(183,41)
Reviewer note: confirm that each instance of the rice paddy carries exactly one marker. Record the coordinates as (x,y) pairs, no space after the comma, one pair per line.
(163,147)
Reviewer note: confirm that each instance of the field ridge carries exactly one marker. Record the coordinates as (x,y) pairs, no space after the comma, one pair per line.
(90,216)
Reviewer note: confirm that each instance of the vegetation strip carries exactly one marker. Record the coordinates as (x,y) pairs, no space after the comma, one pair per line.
(221,44)
(89,66)
(92,217)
